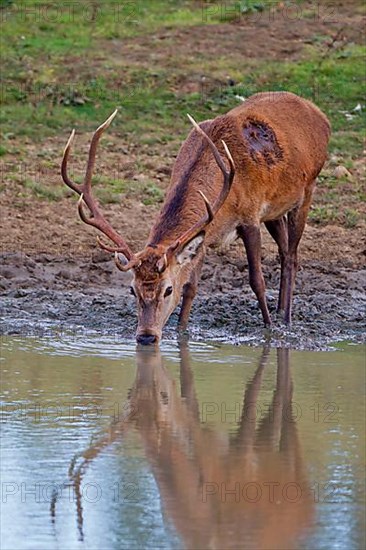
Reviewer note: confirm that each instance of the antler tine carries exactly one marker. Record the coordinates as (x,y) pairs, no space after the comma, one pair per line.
(65,159)
(93,149)
(96,218)
(211,210)
(213,147)
(106,247)
(127,266)
(227,151)
(208,207)
(228,176)
(228,179)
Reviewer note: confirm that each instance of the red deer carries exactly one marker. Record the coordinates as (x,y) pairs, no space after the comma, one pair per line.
(257,163)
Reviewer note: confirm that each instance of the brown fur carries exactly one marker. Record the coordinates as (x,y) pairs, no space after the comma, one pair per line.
(300,134)
(278,142)
(279,145)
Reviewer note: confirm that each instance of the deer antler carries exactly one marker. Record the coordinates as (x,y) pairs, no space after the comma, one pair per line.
(96,219)
(211,210)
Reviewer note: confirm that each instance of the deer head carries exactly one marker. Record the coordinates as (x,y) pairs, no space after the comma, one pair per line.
(159,271)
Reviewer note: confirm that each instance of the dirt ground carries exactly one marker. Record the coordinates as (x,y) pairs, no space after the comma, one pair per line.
(53,277)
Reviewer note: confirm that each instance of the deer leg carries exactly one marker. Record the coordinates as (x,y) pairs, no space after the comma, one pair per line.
(189,293)
(251,235)
(246,433)
(275,426)
(296,220)
(188,390)
(278,231)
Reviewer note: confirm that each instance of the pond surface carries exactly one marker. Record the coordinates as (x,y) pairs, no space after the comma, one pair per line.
(196,446)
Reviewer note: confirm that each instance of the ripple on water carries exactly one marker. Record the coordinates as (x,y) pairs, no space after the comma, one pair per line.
(111,347)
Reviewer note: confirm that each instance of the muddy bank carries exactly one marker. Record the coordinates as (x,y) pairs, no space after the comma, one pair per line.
(45,294)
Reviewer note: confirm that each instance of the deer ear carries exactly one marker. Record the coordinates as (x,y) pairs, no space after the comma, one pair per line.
(190,250)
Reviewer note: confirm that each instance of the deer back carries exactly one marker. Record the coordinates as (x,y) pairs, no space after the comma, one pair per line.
(279,145)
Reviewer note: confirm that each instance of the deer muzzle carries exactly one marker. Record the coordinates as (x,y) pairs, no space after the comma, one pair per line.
(146,339)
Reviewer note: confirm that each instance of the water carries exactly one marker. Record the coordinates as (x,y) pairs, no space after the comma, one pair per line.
(194,447)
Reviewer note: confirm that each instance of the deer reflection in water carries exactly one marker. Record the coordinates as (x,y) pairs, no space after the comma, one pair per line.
(220,490)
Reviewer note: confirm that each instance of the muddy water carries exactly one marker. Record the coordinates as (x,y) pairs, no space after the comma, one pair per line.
(194,447)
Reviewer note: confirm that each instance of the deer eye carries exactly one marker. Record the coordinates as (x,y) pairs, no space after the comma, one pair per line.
(168,291)
(132,291)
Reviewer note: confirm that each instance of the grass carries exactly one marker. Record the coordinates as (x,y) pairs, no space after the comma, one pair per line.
(107,191)
(42,94)
(60,70)
(338,87)
(57,73)
(52,28)
(322,215)
(39,28)
(42,191)
(111,191)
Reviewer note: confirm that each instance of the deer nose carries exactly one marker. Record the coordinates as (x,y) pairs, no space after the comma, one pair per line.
(146,339)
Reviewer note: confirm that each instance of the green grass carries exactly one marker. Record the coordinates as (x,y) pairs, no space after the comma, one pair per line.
(40,28)
(57,71)
(54,28)
(337,86)
(40,101)
(60,70)
(338,200)
(111,191)
(43,192)
(352,217)
(107,191)
(322,215)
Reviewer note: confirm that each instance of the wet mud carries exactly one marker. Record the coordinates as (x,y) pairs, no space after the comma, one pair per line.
(44,294)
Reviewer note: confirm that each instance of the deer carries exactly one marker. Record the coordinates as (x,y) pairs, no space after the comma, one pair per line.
(256,164)
(243,488)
